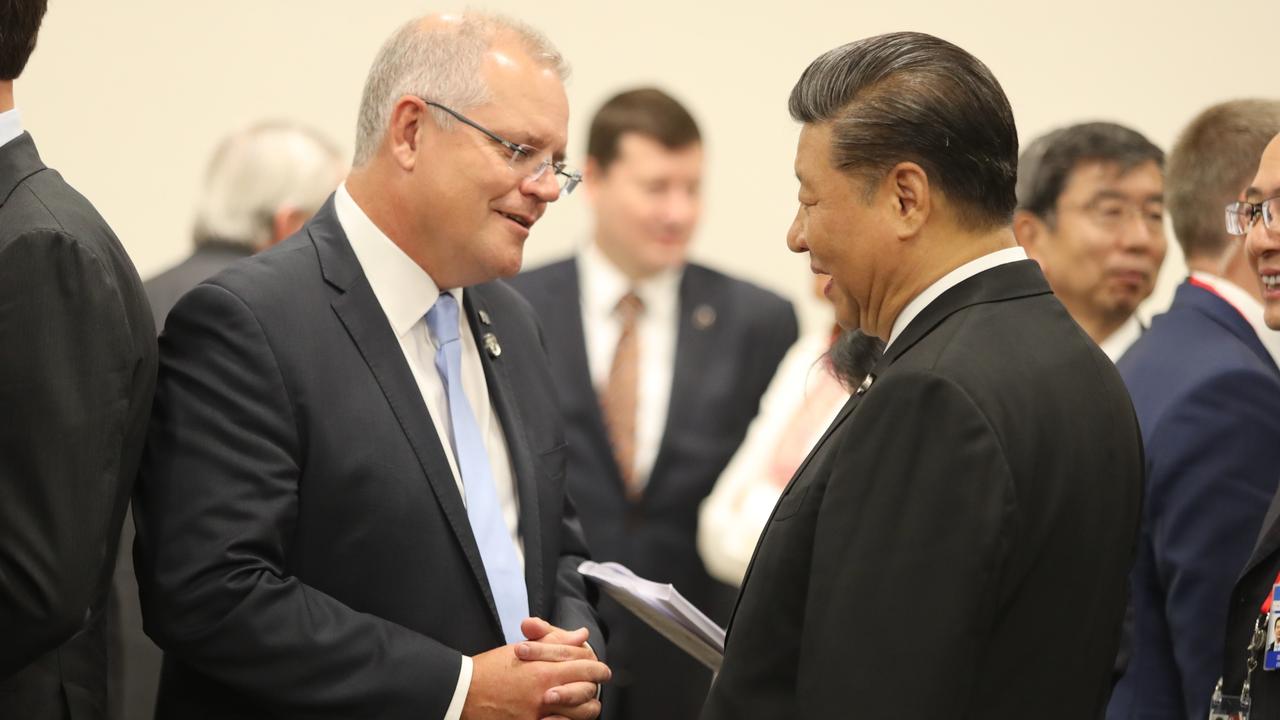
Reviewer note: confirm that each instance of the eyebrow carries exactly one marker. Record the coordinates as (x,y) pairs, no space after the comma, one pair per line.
(1117,195)
(1253,193)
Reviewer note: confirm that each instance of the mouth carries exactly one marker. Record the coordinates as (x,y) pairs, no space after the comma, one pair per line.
(523,221)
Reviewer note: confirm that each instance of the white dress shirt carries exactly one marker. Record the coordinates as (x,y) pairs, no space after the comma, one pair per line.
(10,126)
(602,285)
(948,281)
(406,292)
(1124,336)
(1248,306)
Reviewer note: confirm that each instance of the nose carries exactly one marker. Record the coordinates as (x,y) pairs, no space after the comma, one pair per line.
(680,208)
(545,187)
(1261,241)
(795,234)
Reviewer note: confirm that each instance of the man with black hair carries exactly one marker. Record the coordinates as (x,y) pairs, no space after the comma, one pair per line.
(77,372)
(1091,212)
(908,568)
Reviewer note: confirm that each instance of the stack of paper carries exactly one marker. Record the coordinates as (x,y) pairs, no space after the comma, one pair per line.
(663,609)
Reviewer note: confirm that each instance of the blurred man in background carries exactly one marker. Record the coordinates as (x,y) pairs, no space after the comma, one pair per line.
(77,371)
(1091,212)
(1205,384)
(659,366)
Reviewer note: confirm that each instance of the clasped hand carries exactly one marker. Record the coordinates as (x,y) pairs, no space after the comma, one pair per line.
(553,675)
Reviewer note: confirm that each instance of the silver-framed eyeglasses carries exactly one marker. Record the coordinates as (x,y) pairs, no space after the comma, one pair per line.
(522,156)
(1242,215)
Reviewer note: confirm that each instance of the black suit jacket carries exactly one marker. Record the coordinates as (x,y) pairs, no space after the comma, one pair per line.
(77,369)
(303,549)
(957,545)
(164,290)
(1253,586)
(731,337)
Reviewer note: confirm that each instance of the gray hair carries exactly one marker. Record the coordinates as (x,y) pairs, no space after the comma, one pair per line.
(1047,163)
(259,170)
(442,65)
(909,96)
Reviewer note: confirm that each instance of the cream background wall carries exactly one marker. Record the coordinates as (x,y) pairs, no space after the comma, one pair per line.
(128,98)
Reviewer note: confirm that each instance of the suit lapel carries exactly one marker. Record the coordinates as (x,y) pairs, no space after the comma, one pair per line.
(358,310)
(485,321)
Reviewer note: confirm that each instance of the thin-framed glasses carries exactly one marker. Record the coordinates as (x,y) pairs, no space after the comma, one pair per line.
(1242,215)
(521,155)
(1111,214)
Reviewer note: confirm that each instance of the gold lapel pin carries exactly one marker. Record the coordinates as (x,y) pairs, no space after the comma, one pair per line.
(704,316)
(484,317)
(491,345)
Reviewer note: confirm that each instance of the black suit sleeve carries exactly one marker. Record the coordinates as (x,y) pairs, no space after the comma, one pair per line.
(216,511)
(907,552)
(67,367)
(1216,449)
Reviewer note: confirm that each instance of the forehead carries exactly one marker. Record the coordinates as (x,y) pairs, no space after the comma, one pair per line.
(643,152)
(1089,177)
(1266,183)
(813,150)
(528,98)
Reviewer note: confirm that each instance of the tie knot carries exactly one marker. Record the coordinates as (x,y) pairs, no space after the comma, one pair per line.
(442,319)
(629,307)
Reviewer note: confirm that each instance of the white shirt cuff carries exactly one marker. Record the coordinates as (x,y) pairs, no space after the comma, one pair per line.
(460,692)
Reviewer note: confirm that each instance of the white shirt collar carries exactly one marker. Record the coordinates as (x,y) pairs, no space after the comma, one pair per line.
(948,281)
(404,290)
(10,126)
(1122,338)
(603,285)
(1248,306)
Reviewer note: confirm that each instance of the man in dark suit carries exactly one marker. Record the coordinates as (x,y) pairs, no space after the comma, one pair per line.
(957,544)
(1091,212)
(1206,388)
(263,183)
(77,371)
(1257,216)
(657,400)
(352,498)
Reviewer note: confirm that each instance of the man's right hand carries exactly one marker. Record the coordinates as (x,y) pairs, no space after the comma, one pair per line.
(505,687)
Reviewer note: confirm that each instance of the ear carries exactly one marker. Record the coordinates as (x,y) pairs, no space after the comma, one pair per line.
(911,197)
(592,176)
(1031,233)
(285,222)
(409,116)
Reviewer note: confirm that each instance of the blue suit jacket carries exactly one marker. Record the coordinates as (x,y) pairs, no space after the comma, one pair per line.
(1207,395)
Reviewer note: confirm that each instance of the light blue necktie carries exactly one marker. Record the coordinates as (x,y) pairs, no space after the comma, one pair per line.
(497,551)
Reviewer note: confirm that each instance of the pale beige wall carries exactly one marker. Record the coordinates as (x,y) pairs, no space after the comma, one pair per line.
(128,98)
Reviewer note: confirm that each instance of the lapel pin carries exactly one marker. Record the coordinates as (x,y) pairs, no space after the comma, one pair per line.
(484,317)
(704,316)
(865,386)
(491,345)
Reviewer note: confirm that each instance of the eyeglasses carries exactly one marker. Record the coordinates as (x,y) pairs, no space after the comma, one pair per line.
(1242,215)
(521,159)
(1112,214)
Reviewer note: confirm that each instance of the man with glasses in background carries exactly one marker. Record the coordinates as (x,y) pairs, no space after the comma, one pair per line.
(1206,389)
(1091,212)
(352,502)
(659,366)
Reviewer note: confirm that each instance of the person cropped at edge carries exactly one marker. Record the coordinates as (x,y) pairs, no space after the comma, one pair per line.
(77,372)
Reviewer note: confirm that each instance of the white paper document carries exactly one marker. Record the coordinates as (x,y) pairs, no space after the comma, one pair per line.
(662,608)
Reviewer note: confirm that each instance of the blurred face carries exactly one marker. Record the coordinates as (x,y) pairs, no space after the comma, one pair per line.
(836,225)
(1103,250)
(647,203)
(1262,244)
(471,204)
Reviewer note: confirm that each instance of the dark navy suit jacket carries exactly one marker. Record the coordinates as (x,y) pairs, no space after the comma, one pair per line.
(1207,395)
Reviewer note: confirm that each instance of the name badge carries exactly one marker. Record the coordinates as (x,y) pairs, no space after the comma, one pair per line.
(1271,658)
